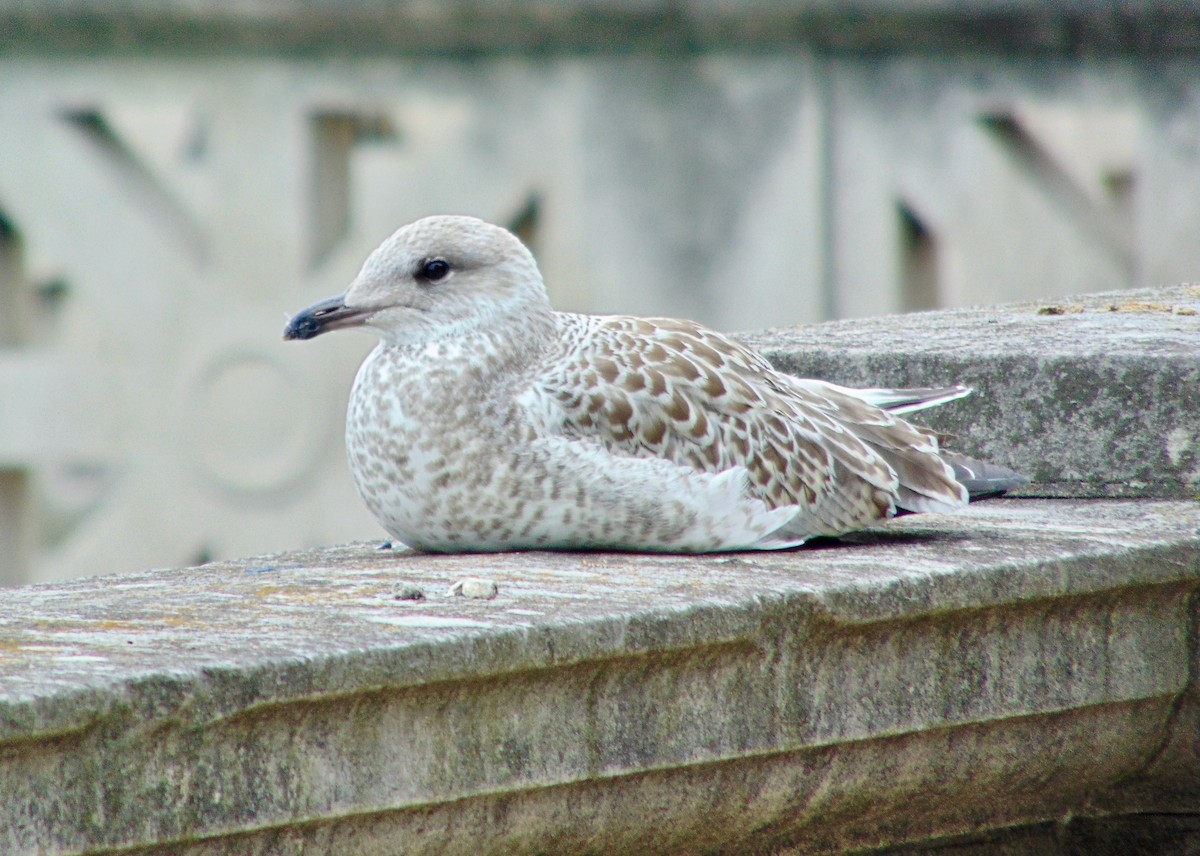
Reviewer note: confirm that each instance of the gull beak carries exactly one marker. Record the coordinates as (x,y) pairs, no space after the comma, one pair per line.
(331,314)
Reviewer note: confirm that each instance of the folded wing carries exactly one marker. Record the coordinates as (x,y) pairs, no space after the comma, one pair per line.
(678,391)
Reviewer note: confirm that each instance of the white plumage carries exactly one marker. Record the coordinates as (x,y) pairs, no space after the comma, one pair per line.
(485,420)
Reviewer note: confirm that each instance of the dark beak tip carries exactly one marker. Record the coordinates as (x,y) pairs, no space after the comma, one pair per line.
(330,314)
(290,332)
(303,326)
(316,319)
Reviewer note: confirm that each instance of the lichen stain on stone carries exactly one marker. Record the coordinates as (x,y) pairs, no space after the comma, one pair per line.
(264,592)
(17,650)
(1075,309)
(116,626)
(1151,307)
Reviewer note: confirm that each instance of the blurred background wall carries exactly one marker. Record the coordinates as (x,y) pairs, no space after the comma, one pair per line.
(177,177)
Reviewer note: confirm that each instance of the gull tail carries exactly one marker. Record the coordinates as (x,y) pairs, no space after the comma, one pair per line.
(901,401)
(896,401)
(981,479)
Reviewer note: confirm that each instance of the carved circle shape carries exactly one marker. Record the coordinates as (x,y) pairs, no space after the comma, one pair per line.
(250,430)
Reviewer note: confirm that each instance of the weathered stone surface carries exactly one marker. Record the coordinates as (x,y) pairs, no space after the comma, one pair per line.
(1088,396)
(942,676)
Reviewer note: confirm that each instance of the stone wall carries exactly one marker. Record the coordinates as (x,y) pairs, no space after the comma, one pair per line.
(1017,678)
(174,178)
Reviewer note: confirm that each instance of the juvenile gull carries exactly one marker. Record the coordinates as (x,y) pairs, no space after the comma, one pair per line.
(485,420)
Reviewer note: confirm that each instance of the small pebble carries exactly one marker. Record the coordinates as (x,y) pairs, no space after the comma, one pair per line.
(386,545)
(474,587)
(410,592)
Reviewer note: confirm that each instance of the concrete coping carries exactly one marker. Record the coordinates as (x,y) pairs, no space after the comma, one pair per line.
(1023,660)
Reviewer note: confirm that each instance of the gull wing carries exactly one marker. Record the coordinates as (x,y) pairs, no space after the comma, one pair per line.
(662,388)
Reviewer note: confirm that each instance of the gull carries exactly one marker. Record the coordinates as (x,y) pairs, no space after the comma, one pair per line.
(485,420)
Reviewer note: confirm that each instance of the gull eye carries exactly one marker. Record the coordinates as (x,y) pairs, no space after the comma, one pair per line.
(433,270)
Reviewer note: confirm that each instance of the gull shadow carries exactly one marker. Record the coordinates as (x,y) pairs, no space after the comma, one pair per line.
(876,538)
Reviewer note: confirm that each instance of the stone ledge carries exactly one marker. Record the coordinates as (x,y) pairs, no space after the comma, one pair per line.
(942,676)
(1085,395)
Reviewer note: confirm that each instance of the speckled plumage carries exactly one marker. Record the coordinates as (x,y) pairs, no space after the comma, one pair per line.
(484,420)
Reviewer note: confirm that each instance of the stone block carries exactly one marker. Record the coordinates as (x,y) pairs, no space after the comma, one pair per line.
(938,679)
(1088,396)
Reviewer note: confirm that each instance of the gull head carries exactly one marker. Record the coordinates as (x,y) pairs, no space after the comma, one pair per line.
(438,276)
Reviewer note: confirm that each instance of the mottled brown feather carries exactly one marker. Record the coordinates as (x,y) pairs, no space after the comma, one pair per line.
(695,397)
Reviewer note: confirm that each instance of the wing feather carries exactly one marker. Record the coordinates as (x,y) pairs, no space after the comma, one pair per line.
(679,391)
